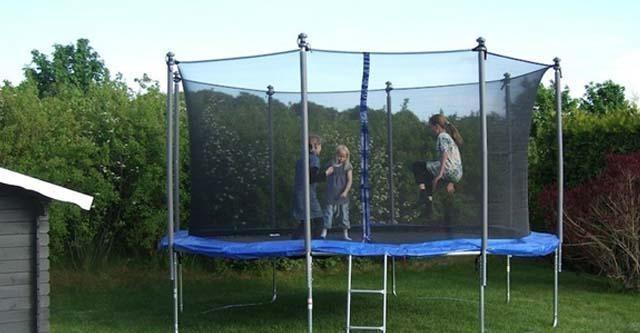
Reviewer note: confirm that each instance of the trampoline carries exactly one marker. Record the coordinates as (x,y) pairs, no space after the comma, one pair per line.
(262,135)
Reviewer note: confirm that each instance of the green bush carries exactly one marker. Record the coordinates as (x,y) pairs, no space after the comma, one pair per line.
(587,139)
(104,141)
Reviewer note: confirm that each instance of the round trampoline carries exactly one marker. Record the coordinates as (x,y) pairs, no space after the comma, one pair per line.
(271,138)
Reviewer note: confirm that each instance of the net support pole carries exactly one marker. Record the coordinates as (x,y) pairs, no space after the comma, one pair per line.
(170,60)
(176,151)
(272,185)
(558,77)
(304,47)
(392,209)
(176,179)
(560,209)
(507,109)
(482,53)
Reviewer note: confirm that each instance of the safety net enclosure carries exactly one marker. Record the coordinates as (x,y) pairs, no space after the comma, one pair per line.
(245,133)
(286,144)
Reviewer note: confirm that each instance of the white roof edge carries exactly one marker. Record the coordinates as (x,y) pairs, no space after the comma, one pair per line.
(47,189)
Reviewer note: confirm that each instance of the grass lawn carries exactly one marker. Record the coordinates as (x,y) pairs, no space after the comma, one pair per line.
(437,295)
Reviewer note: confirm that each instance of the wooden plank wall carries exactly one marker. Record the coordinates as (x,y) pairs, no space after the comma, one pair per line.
(18,213)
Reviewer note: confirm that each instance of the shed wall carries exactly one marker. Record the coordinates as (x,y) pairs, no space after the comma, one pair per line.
(20,210)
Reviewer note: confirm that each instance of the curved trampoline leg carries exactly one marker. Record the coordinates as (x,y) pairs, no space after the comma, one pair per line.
(274,296)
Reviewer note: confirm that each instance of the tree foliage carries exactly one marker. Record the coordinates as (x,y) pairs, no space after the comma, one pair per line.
(605,97)
(69,124)
(545,106)
(78,65)
(589,133)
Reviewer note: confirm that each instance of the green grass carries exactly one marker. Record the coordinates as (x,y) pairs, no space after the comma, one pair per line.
(433,296)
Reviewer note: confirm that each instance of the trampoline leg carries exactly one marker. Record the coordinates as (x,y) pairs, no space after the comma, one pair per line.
(384,295)
(274,289)
(482,286)
(393,276)
(349,265)
(555,288)
(508,278)
(174,281)
(180,294)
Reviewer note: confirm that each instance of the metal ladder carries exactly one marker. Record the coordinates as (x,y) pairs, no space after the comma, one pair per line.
(382,292)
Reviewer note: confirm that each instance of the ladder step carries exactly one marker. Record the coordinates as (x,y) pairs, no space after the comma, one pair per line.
(367,328)
(368,291)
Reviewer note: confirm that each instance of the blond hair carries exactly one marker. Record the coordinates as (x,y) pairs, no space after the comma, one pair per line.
(442,121)
(343,148)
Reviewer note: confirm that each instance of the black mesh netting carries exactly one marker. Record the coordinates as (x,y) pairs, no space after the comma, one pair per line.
(244,148)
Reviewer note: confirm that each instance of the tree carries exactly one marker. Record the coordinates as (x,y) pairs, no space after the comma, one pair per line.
(72,65)
(545,106)
(71,124)
(601,98)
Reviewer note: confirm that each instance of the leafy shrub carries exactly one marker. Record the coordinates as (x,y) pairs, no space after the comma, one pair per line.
(587,138)
(602,220)
(104,141)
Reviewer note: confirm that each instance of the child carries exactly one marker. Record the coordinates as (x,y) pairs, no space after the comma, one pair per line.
(315,176)
(447,168)
(340,178)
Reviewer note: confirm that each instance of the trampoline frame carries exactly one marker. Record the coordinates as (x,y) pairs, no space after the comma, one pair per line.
(172,186)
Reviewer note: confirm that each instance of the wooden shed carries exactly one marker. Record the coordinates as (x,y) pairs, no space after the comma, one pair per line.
(24,249)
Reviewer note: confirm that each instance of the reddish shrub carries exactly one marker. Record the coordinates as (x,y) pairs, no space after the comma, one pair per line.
(602,220)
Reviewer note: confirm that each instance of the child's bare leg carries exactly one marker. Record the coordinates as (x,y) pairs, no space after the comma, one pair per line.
(451,188)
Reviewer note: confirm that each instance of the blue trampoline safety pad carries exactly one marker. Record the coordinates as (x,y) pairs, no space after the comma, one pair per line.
(533,245)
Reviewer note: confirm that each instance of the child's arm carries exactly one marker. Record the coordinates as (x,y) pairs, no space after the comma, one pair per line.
(443,159)
(347,188)
(329,171)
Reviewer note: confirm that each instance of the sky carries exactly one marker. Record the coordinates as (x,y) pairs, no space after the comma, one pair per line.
(596,40)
